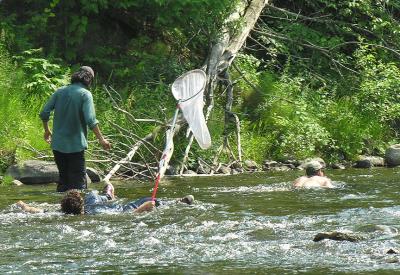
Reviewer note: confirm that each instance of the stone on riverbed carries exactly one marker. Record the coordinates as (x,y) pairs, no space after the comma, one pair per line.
(338,166)
(189,172)
(93,174)
(34,172)
(224,170)
(392,251)
(250,165)
(17,183)
(392,155)
(369,161)
(337,236)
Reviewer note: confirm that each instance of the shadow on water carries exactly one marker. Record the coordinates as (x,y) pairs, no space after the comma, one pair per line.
(239,224)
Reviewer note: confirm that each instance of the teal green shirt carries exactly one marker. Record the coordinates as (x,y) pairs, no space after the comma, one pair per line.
(73,113)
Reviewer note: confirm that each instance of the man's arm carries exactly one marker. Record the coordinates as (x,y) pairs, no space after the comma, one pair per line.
(328,183)
(47,132)
(147,206)
(29,209)
(45,116)
(91,121)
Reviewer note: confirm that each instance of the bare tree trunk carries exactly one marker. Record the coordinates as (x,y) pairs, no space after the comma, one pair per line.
(221,55)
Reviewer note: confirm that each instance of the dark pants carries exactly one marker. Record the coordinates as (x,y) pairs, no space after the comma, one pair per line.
(72,170)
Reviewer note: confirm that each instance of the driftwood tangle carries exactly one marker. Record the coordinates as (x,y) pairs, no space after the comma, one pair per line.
(221,56)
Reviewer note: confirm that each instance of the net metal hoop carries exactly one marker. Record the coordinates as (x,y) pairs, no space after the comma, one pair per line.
(196,71)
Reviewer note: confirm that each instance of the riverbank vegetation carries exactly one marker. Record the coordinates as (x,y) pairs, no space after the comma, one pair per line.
(315,78)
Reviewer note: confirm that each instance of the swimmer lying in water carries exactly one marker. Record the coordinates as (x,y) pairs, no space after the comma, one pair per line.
(314,177)
(94,203)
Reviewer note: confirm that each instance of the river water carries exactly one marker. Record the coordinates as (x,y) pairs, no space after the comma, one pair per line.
(239,224)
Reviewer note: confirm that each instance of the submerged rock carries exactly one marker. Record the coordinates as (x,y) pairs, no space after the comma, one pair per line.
(337,236)
(392,251)
(392,260)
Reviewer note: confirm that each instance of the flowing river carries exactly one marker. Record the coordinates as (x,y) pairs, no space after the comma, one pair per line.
(255,223)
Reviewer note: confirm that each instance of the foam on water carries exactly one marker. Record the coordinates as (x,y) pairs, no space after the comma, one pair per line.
(258,225)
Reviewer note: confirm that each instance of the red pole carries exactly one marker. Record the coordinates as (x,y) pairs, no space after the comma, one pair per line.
(153,196)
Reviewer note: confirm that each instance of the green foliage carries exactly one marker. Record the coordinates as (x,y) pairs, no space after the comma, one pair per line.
(42,77)
(19,123)
(322,78)
(7,181)
(379,93)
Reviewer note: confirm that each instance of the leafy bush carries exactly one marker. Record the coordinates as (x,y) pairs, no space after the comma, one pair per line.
(20,125)
(42,77)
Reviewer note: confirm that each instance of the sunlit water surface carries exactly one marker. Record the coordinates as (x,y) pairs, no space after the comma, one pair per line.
(239,224)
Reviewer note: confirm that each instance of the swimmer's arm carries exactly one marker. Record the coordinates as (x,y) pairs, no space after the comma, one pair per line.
(147,206)
(29,209)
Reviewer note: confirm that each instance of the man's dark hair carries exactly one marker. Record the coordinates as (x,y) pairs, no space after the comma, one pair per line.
(72,203)
(311,171)
(84,75)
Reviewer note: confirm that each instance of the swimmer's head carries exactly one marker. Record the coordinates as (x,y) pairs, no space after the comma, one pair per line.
(189,199)
(72,203)
(313,168)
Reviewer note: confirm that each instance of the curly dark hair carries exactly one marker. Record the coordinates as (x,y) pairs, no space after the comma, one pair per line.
(72,203)
(84,75)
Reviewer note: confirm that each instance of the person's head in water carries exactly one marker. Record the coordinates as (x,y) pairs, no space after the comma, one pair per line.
(72,203)
(314,168)
(189,199)
(84,75)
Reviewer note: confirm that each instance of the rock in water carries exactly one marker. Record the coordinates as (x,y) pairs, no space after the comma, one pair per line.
(34,172)
(337,236)
(392,155)
(93,174)
(392,251)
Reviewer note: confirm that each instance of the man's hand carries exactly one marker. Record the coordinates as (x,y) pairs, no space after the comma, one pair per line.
(47,136)
(29,209)
(105,144)
(145,207)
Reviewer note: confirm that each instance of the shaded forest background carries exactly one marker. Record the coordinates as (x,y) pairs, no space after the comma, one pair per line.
(315,78)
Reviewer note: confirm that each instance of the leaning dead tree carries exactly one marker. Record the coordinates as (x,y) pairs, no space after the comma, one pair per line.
(220,58)
(218,62)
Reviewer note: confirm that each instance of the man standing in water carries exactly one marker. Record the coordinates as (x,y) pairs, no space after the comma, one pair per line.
(314,177)
(73,113)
